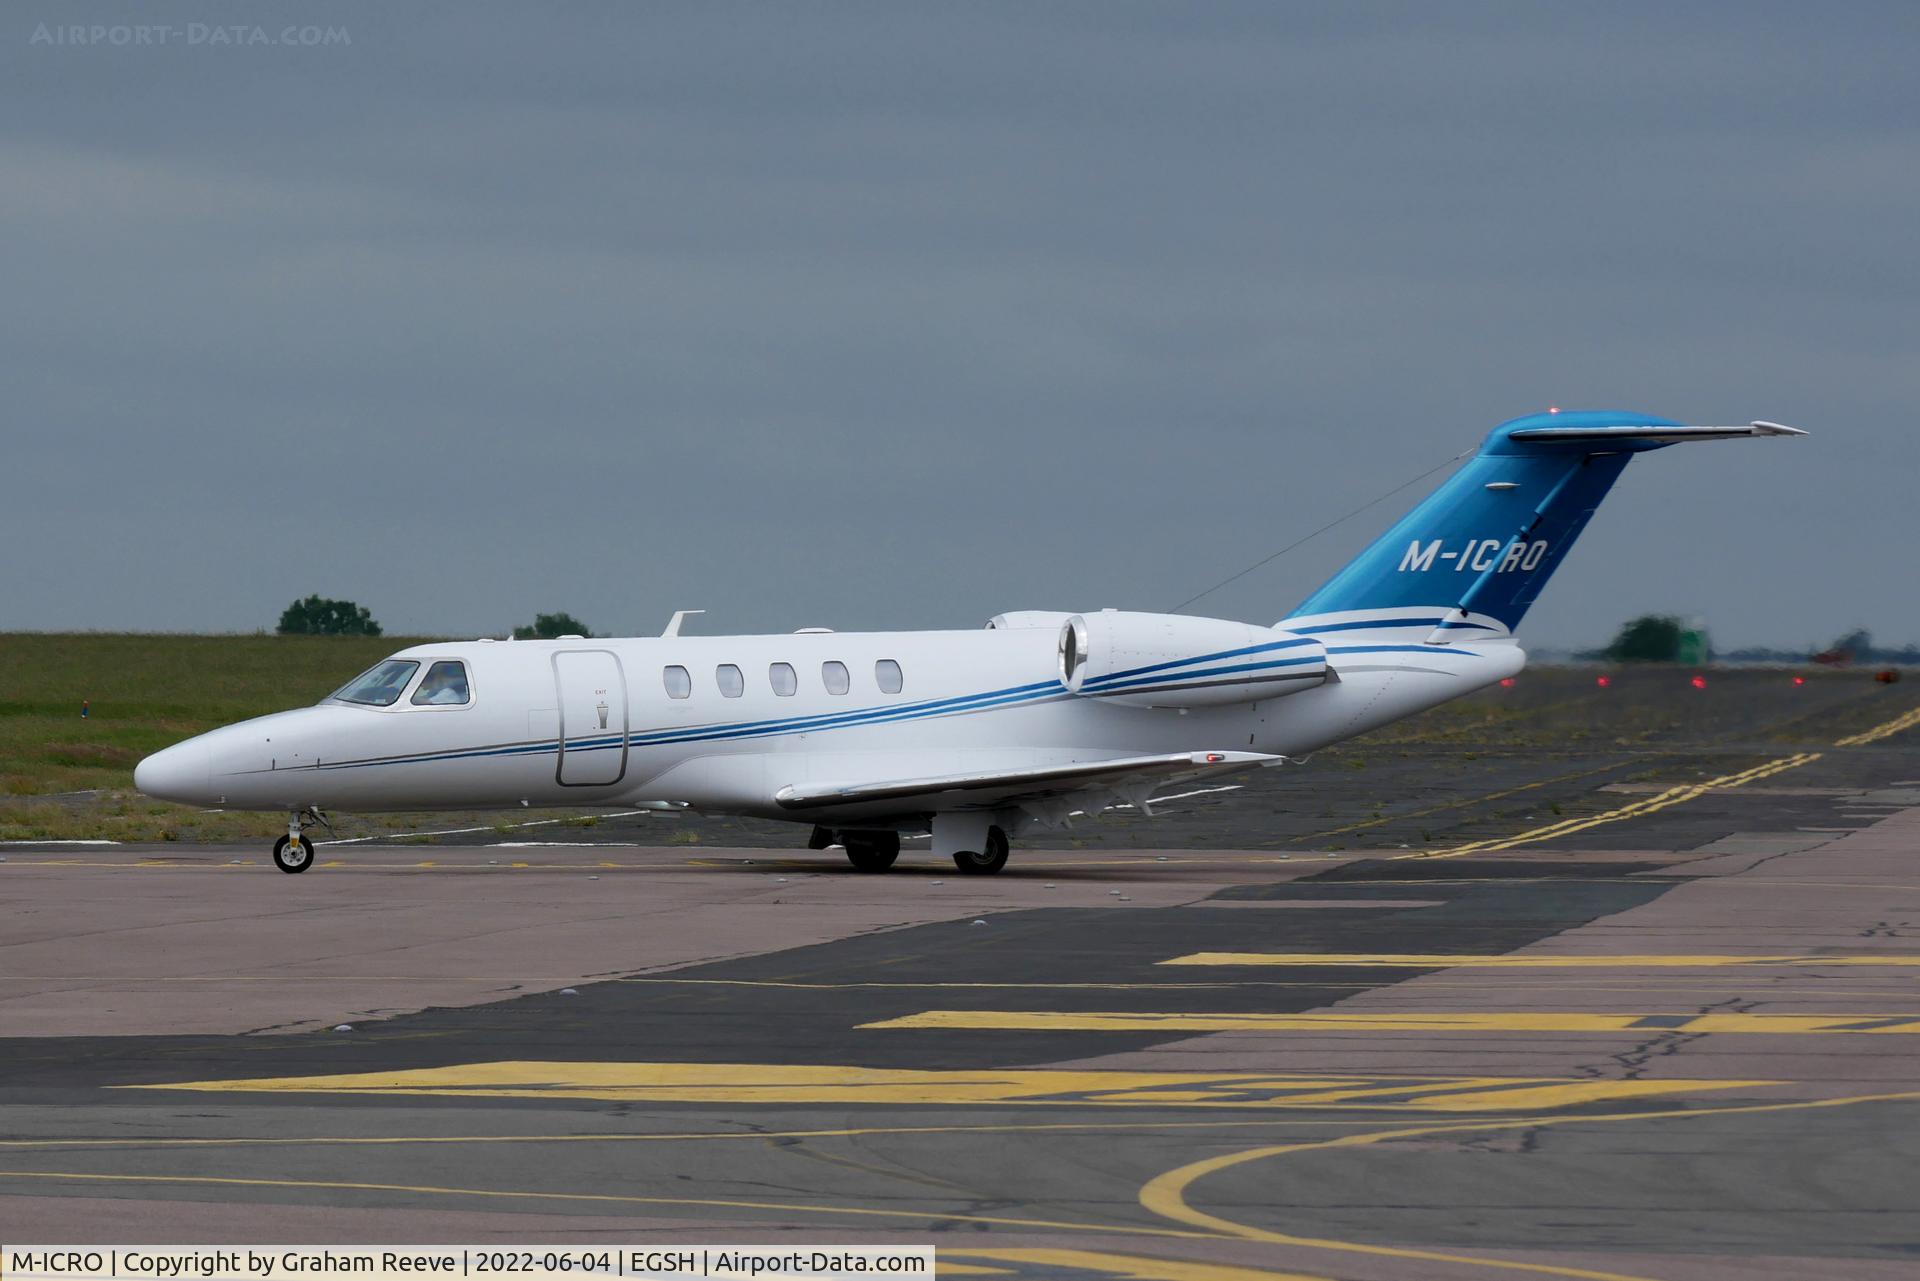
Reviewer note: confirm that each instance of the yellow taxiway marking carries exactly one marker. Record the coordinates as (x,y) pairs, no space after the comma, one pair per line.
(1119,1267)
(602,1198)
(1672,796)
(1878,732)
(1403,1021)
(1166,1194)
(736,1083)
(1526,960)
(1116,1126)
(1459,804)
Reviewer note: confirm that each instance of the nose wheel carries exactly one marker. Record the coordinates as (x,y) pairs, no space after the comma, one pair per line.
(293,854)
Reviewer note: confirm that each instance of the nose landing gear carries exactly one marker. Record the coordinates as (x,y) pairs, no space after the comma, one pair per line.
(294,852)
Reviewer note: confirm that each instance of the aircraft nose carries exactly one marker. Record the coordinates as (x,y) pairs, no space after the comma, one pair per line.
(182,772)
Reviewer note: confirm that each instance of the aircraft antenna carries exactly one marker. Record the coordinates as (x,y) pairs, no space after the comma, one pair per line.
(1371,502)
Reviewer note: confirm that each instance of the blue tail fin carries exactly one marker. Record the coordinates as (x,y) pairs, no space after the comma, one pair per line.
(1476,552)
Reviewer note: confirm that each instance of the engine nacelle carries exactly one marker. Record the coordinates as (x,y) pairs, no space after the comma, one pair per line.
(1171,660)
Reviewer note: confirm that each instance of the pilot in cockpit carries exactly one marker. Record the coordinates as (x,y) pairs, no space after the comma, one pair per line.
(444,685)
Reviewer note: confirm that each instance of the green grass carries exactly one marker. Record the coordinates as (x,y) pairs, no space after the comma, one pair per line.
(148,691)
(145,692)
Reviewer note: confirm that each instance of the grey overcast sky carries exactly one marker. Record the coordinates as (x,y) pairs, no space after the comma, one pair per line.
(900,315)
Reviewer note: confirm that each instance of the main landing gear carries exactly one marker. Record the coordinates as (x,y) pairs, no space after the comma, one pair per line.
(977,847)
(867,851)
(871,851)
(976,844)
(294,852)
(986,861)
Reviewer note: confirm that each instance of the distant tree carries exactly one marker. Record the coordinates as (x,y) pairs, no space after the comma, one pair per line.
(1856,644)
(1651,638)
(548,626)
(316,616)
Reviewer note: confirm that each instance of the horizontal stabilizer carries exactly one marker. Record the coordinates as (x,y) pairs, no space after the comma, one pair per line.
(1668,434)
(1002,786)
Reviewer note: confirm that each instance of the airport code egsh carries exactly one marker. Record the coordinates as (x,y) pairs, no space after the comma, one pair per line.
(270,1263)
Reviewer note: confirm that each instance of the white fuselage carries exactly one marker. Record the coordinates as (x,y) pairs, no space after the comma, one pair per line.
(591,722)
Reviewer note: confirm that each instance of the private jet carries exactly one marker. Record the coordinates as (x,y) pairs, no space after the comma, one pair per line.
(971,737)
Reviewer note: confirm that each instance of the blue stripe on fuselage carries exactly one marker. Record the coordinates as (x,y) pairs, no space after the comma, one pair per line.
(926,710)
(1199,658)
(1234,669)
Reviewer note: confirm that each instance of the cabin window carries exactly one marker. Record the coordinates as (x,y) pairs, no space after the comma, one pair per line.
(445,685)
(732,684)
(834,676)
(679,682)
(379,686)
(784,682)
(886,674)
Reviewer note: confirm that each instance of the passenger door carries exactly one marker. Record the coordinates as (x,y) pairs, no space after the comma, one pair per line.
(593,717)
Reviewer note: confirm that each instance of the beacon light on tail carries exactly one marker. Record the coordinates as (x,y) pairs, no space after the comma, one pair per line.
(973,737)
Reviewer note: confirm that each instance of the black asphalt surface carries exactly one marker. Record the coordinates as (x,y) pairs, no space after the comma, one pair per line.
(1796,1176)
(1494,762)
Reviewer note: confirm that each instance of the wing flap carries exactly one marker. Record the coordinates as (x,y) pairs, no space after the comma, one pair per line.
(1039,782)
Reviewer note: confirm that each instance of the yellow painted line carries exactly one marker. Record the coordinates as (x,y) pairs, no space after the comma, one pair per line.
(1878,732)
(1652,804)
(292,978)
(1396,1021)
(1116,1126)
(1119,1267)
(601,1198)
(1163,1195)
(916,986)
(1454,805)
(1166,1194)
(737,1083)
(1528,960)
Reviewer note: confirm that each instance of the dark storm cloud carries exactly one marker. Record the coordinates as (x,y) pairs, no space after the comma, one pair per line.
(903,315)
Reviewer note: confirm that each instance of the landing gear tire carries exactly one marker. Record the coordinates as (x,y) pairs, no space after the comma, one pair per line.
(289,857)
(984,862)
(873,851)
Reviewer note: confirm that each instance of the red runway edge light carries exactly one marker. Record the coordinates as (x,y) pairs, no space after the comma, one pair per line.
(1698,682)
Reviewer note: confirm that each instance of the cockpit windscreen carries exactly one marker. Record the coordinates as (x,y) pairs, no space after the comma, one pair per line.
(379,686)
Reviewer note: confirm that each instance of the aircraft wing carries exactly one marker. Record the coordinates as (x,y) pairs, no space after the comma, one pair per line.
(1012,786)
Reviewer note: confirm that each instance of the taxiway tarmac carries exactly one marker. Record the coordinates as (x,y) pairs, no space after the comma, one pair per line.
(1679,1042)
